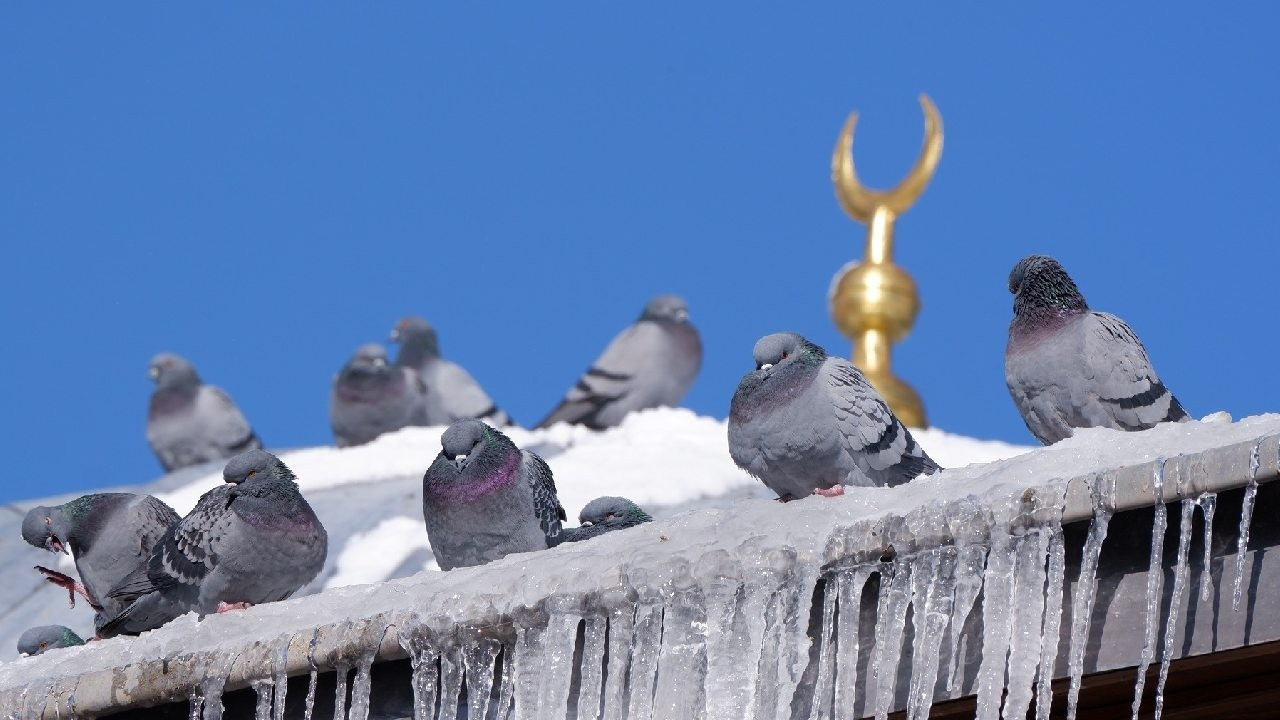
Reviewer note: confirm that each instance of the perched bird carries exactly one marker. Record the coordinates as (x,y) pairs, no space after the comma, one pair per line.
(650,364)
(450,392)
(39,640)
(189,422)
(603,515)
(371,397)
(1069,367)
(252,540)
(109,535)
(484,498)
(803,421)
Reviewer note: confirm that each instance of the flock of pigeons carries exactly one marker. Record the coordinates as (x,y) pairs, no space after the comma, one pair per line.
(803,422)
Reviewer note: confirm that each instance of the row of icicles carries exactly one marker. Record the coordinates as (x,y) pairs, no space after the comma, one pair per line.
(734,649)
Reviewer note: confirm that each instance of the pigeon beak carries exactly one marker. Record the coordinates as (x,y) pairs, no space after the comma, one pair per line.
(459,461)
(56,545)
(153,372)
(24,654)
(395,336)
(766,366)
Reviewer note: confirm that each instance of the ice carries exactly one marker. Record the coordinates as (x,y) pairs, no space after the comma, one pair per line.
(997,599)
(309,705)
(1246,521)
(478,658)
(262,707)
(732,635)
(593,650)
(340,692)
(1181,571)
(1103,495)
(450,683)
(933,581)
(527,672)
(1208,502)
(891,620)
(556,664)
(1031,550)
(849,584)
(422,659)
(824,688)
(644,657)
(1155,584)
(360,688)
(682,657)
(1052,623)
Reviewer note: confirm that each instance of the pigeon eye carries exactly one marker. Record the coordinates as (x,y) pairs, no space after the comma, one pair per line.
(44,646)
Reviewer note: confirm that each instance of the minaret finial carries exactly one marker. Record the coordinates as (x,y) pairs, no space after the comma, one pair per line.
(875,302)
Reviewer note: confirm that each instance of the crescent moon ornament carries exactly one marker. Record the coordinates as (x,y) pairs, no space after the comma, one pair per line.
(860,201)
(874,302)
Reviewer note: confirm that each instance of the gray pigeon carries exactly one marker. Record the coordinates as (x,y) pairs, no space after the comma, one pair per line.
(602,515)
(371,397)
(189,422)
(1069,367)
(109,535)
(451,393)
(39,640)
(484,498)
(803,421)
(252,540)
(651,364)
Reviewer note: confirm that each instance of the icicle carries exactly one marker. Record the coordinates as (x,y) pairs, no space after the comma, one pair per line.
(891,620)
(849,588)
(280,678)
(682,655)
(997,601)
(1052,623)
(1155,586)
(195,705)
(215,680)
(783,624)
(527,675)
(1181,571)
(1086,587)
(1246,520)
(478,659)
(422,658)
(310,705)
(556,663)
(824,688)
(621,632)
(1208,502)
(341,670)
(933,578)
(644,658)
(1027,623)
(262,708)
(360,687)
(732,636)
(450,683)
(593,638)
(970,565)
(506,683)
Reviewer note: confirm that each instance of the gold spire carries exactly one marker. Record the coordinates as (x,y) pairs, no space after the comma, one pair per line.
(875,302)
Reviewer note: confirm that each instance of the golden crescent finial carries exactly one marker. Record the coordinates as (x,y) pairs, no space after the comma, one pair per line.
(860,201)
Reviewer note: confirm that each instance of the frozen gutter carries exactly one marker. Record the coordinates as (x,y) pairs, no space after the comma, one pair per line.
(294,637)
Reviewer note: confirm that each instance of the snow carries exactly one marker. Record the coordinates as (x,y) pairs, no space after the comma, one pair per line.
(703,612)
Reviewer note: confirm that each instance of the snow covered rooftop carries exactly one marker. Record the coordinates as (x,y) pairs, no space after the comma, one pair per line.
(708,607)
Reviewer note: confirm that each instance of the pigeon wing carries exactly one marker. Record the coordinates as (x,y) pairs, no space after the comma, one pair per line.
(1125,383)
(869,430)
(610,378)
(546,504)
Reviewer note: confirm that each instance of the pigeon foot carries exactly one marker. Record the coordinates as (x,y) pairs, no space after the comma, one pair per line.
(228,607)
(833,491)
(70,585)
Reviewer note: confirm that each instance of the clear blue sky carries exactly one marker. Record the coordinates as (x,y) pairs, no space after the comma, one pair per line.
(263,190)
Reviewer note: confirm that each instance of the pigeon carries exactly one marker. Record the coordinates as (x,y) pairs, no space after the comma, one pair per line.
(602,515)
(650,364)
(251,540)
(1070,367)
(371,397)
(451,393)
(805,422)
(484,498)
(108,534)
(190,423)
(39,640)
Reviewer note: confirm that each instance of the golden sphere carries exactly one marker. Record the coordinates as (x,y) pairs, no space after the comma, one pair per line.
(875,296)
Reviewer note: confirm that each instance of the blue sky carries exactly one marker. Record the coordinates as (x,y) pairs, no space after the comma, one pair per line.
(264,189)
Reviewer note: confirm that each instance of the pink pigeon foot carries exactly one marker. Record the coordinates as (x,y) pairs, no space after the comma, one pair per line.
(228,607)
(69,584)
(833,491)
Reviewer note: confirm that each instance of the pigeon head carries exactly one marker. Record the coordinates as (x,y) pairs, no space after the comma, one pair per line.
(666,307)
(1039,284)
(47,637)
(611,510)
(784,349)
(463,442)
(252,465)
(45,527)
(172,371)
(418,341)
(369,359)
